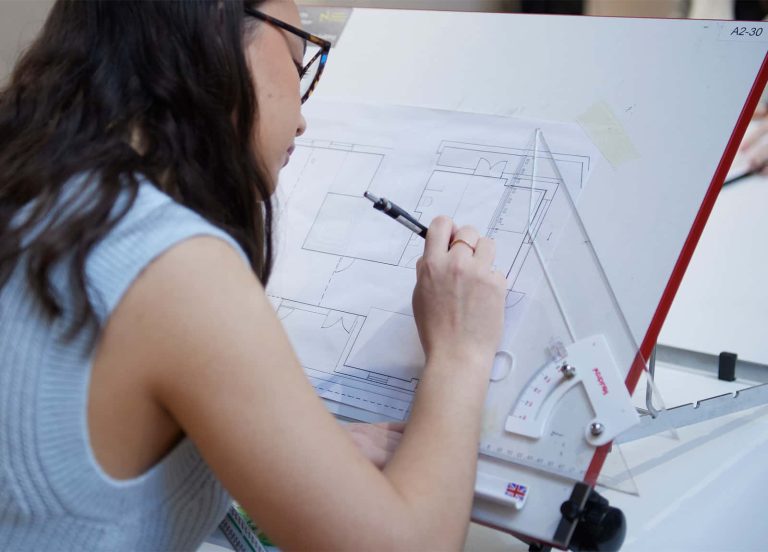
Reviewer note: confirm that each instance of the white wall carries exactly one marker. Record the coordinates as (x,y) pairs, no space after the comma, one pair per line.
(638,8)
(20,20)
(451,5)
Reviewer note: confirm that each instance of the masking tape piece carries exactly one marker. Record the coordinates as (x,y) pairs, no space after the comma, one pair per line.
(605,130)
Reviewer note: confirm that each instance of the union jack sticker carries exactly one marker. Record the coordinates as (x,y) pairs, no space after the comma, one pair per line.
(517,492)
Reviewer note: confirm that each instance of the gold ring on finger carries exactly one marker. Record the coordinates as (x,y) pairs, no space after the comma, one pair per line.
(465,242)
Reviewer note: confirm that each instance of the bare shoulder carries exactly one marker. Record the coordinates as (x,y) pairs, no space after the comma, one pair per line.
(195,304)
(204,342)
(148,347)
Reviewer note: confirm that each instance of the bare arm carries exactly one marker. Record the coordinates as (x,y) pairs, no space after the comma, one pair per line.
(216,357)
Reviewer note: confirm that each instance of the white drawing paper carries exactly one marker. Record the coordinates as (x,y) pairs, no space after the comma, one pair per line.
(344,273)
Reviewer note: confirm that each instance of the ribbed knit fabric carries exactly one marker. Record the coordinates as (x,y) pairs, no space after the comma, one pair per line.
(53,494)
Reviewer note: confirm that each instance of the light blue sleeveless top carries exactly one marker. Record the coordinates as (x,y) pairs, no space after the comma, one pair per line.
(53,494)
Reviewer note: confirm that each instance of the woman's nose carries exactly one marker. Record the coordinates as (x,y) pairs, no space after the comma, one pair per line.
(302,125)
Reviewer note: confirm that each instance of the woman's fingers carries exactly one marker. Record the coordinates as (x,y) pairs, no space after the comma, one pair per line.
(398,427)
(377,442)
(387,437)
(444,236)
(457,300)
(485,251)
(438,237)
(464,241)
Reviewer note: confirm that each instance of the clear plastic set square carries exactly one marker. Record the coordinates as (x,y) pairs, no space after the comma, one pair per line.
(558,397)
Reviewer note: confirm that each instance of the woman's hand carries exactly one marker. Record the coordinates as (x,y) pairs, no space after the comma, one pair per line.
(458,301)
(377,442)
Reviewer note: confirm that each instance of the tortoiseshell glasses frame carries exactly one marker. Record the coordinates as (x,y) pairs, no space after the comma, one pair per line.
(320,57)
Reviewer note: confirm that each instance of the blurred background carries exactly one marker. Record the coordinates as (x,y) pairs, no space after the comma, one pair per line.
(699,9)
(21,19)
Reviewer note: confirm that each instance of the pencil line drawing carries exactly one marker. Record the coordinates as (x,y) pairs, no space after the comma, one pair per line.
(344,274)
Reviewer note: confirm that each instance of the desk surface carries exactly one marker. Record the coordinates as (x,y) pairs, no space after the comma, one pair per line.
(722,303)
(699,492)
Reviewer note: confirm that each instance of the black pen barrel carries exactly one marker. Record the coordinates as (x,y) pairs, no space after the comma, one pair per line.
(404,218)
(398,213)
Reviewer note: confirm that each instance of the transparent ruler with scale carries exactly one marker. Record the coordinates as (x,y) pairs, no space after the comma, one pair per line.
(557,396)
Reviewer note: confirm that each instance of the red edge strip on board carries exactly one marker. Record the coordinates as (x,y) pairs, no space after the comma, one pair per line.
(676,277)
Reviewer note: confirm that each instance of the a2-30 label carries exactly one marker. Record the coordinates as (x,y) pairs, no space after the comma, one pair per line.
(753,32)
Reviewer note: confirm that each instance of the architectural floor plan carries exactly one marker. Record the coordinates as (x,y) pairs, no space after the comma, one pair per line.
(344,273)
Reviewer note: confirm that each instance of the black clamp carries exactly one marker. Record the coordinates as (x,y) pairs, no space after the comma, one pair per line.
(598,526)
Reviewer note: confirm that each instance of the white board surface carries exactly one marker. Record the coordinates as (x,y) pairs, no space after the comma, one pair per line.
(660,98)
(664,95)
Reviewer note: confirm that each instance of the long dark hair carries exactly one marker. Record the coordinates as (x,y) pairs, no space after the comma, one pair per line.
(171,79)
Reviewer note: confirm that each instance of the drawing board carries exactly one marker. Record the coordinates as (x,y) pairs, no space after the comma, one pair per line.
(660,105)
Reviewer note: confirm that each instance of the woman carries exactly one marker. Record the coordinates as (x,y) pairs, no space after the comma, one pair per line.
(142,368)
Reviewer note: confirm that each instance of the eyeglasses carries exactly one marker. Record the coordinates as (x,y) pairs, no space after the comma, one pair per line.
(315,48)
